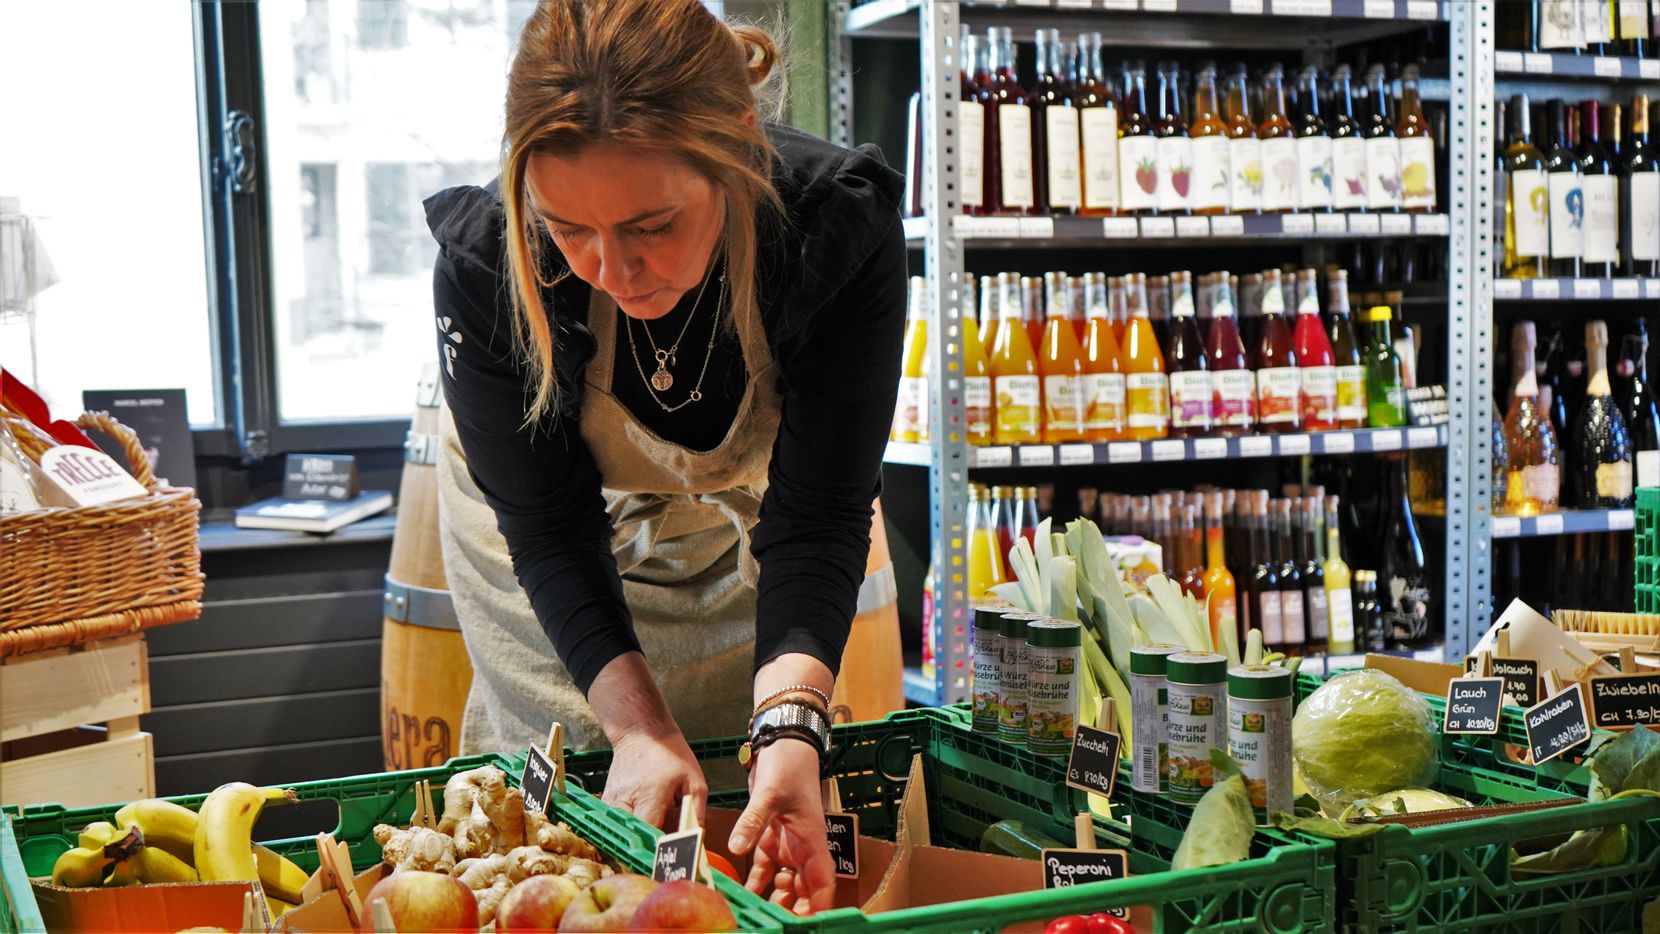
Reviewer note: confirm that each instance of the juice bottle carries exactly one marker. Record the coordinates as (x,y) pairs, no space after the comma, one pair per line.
(1314,355)
(1005,517)
(985,563)
(1279,385)
(911,410)
(1314,148)
(1351,373)
(1011,189)
(1056,129)
(1017,395)
(1031,309)
(1417,146)
(1191,394)
(1211,175)
(1061,364)
(1138,170)
(971,128)
(1233,384)
(1280,189)
(1147,392)
(1348,149)
(1103,373)
(1244,149)
(1118,308)
(1098,122)
(1219,587)
(977,408)
(1174,147)
(1383,150)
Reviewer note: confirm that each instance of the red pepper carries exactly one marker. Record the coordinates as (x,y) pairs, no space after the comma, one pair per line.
(1071,924)
(1103,923)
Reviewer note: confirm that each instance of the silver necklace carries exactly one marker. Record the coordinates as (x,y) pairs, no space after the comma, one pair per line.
(663,379)
(651,383)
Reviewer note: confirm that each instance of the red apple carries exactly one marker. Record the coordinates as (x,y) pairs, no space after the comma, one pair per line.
(684,906)
(423,901)
(608,904)
(536,904)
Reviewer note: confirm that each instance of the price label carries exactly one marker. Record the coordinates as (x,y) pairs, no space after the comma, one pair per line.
(1423,9)
(1546,288)
(1159,6)
(1169,450)
(1227,225)
(1092,765)
(1192,227)
(1120,228)
(1507,527)
(1363,223)
(1294,224)
(1077,455)
(1256,446)
(1625,288)
(999,228)
(1124,452)
(1587,288)
(1037,228)
(1074,4)
(1507,61)
(1432,225)
(1651,288)
(1521,679)
(677,855)
(1388,439)
(1396,224)
(1378,9)
(1331,224)
(1031,2)
(1507,288)
(993,457)
(1606,67)
(1037,455)
(1293,444)
(1302,7)
(1158,227)
(1338,442)
(1537,63)
(1423,437)
(1621,520)
(1557,725)
(1548,524)
(1245,7)
(1205,449)
(1065,868)
(1473,705)
(1625,700)
(1119,6)
(537,781)
(1648,68)
(841,831)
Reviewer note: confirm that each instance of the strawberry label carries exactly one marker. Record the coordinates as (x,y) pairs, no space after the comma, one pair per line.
(1138,172)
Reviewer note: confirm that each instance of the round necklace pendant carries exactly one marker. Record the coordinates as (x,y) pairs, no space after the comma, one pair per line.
(661,380)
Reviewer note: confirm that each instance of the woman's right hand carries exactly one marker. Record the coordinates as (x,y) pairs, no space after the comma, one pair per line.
(652,768)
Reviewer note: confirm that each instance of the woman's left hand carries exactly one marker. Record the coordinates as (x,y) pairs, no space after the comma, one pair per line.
(784,824)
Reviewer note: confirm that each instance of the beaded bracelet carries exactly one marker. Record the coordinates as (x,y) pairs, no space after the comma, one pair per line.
(793,689)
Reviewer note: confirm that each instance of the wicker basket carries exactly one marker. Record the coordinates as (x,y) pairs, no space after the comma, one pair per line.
(73,575)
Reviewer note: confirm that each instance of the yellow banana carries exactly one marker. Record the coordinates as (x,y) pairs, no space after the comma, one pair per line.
(99,834)
(277,907)
(172,827)
(122,873)
(279,877)
(80,867)
(152,865)
(224,831)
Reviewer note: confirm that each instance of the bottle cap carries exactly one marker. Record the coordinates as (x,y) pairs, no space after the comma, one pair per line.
(1196,668)
(990,616)
(1259,682)
(1150,659)
(1014,624)
(1054,634)
(1378,313)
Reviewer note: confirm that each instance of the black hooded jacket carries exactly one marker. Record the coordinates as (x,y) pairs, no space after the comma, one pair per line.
(831,285)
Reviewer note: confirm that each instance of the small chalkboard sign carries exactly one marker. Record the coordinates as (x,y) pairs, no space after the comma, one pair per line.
(1473,705)
(677,856)
(1065,868)
(1625,700)
(1557,724)
(320,476)
(1093,764)
(1521,679)
(842,832)
(537,781)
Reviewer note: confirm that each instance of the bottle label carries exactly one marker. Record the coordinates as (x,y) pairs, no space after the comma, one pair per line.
(1106,401)
(1019,406)
(1633,19)
(1567,216)
(1319,627)
(1340,609)
(1245,168)
(1268,618)
(1383,173)
(1064,400)
(1351,393)
(908,413)
(1235,404)
(1314,172)
(1560,25)
(1278,389)
(1614,480)
(1147,400)
(1645,215)
(1319,397)
(1602,218)
(977,405)
(1417,172)
(1014,123)
(1100,138)
(1060,124)
(1175,155)
(1210,172)
(1138,172)
(1530,212)
(971,129)
(1407,616)
(1190,400)
(1599,26)
(1542,482)
(1279,162)
(1291,617)
(1348,169)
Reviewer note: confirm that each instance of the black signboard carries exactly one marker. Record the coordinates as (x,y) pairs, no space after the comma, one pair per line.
(842,831)
(1625,700)
(1093,764)
(320,476)
(1473,705)
(1521,679)
(677,855)
(1066,868)
(537,781)
(1557,725)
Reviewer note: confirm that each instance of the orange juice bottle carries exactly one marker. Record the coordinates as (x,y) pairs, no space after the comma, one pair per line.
(1146,388)
(1061,364)
(1219,584)
(976,385)
(985,561)
(910,416)
(1017,393)
(1103,373)
(1117,309)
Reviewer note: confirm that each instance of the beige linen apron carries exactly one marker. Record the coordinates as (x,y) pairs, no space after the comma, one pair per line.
(682,520)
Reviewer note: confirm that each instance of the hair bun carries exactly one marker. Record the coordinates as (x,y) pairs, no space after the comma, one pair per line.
(760,54)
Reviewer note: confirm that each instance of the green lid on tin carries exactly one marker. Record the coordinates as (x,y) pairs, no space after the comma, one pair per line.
(1259,682)
(1196,668)
(990,616)
(1054,634)
(1149,659)
(1014,624)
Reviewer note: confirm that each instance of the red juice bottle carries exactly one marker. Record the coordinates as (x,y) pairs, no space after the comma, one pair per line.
(1279,383)
(1233,385)
(1319,366)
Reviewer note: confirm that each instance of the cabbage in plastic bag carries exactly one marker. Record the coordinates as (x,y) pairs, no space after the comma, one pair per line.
(1361,734)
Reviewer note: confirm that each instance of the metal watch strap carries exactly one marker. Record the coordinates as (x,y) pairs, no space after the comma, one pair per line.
(800,716)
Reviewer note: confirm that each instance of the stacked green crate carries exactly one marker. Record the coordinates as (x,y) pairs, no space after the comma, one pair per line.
(1647,565)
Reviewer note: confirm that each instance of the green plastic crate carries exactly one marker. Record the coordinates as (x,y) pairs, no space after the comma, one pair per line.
(1647,564)
(18,911)
(975,780)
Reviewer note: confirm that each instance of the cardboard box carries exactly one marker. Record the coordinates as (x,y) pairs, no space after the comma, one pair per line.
(144,908)
(326,913)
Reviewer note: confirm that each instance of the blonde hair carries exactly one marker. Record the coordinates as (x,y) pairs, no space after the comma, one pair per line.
(663,75)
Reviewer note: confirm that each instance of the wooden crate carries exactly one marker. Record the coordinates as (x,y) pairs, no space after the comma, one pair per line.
(69,729)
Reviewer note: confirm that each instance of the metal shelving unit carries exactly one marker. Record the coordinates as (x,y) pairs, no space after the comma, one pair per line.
(944,237)
(1624,289)
(1564,522)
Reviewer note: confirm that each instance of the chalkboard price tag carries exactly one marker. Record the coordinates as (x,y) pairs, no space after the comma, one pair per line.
(1557,725)
(1625,700)
(842,831)
(537,781)
(1521,679)
(1093,764)
(1063,869)
(1473,705)
(320,476)
(677,856)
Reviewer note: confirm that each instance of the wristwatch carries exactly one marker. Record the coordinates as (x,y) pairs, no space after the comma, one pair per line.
(801,721)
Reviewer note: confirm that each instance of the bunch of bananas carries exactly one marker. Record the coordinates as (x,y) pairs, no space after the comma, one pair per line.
(153,841)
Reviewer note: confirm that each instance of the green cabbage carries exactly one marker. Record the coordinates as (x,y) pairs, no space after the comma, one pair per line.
(1361,734)
(1403,801)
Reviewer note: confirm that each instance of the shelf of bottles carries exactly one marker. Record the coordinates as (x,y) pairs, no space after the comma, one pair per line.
(1183,229)
(1365,441)
(1327,21)
(1609,41)
(1625,289)
(1569,65)
(1565,522)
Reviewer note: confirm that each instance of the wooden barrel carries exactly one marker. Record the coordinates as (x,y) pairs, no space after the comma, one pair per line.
(424,669)
(871,682)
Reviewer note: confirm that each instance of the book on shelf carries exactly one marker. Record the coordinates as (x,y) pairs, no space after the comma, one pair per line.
(311,515)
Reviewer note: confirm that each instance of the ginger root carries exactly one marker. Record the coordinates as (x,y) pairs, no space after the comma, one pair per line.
(464,789)
(490,899)
(557,838)
(415,848)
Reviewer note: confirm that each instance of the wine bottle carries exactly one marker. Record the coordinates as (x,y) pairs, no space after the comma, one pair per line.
(1385,387)
(1174,147)
(1211,168)
(1244,149)
(1293,615)
(1056,116)
(1567,200)
(1348,147)
(1383,151)
(1641,188)
(1417,146)
(1191,532)
(1501,185)
(913,156)
(1535,483)
(981,164)
(1279,383)
(1314,145)
(1633,23)
(1601,185)
(1527,217)
(1009,189)
(1233,384)
(1602,446)
(1138,167)
(1642,413)
(1403,579)
(1599,27)
(1265,578)
(1369,619)
(1098,126)
(1186,362)
(1501,462)
(1280,189)
(1561,26)
(1345,350)
(1340,606)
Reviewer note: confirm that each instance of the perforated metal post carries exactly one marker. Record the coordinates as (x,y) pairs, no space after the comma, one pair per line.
(839,55)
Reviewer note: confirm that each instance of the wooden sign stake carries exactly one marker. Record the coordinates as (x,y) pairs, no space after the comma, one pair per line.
(1503,643)
(1552,685)
(1107,720)
(1485,669)
(1083,831)
(832,797)
(1628,660)
(556,749)
(689,806)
